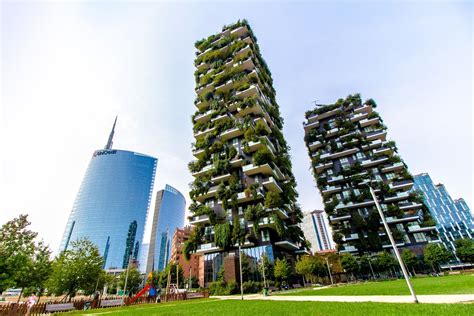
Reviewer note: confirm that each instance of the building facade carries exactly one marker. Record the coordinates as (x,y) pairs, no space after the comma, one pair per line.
(191,266)
(112,204)
(316,231)
(348,149)
(242,166)
(170,206)
(453,218)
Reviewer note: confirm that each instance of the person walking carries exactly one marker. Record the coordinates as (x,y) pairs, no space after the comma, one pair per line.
(30,302)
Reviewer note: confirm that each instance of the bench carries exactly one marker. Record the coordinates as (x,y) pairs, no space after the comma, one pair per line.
(308,285)
(272,289)
(59,307)
(110,303)
(297,286)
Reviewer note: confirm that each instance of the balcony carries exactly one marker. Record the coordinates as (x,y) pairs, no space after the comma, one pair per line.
(399,196)
(265,124)
(203,171)
(201,219)
(202,90)
(251,169)
(402,185)
(343,153)
(309,126)
(243,51)
(272,185)
(380,134)
(206,248)
(350,237)
(364,109)
(338,218)
(370,163)
(198,153)
(240,31)
(355,205)
(336,179)
(358,116)
(281,213)
(409,206)
(373,144)
(200,135)
(389,245)
(333,132)
(242,197)
(246,64)
(383,151)
(221,178)
(210,193)
(323,166)
(261,143)
(315,145)
(286,244)
(231,133)
(395,166)
(396,220)
(252,90)
(201,105)
(237,162)
(418,229)
(348,249)
(204,117)
(331,189)
(368,122)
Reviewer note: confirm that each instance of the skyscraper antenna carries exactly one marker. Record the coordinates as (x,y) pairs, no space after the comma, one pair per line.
(111,136)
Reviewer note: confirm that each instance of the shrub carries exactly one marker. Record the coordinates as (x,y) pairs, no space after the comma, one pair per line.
(218,288)
(232,288)
(252,287)
(262,156)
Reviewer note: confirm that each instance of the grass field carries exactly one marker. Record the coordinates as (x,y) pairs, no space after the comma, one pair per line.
(454,284)
(236,307)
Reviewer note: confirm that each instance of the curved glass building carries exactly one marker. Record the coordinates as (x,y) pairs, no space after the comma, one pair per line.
(169,215)
(112,204)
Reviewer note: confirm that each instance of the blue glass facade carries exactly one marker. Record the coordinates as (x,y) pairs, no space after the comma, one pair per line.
(112,203)
(169,215)
(454,219)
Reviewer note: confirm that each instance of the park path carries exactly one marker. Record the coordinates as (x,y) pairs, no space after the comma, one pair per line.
(436,299)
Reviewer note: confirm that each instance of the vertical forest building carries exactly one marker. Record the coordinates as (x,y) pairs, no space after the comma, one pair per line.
(348,147)
(244,190)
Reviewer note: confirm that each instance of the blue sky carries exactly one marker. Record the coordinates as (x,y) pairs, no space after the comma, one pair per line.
(68,69)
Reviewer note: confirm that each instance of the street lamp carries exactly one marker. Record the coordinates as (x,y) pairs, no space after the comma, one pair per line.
(240,268)
(126,278)
(394,245)
(329,270)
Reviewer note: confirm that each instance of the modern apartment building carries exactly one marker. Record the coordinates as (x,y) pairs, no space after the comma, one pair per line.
(316,231)
(191,266)
(453,218)
(348,148)
(243,190)
(168,215)
(112,204)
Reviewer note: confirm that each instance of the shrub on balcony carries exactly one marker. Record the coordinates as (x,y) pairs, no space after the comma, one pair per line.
(272,199)
(329,208)
(262,156)
(373,241)
(279,226)
(238,232)
(222,233)
(358,221)
(371,102)
(395,211)
(337,237)
(260,129)
(396,234)
(428,222)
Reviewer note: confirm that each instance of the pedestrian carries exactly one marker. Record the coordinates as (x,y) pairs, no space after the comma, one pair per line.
(30,302)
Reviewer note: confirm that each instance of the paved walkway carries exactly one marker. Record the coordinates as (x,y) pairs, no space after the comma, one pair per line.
(437,299)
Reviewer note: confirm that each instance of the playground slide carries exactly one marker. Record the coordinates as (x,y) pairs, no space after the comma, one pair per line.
(145,289)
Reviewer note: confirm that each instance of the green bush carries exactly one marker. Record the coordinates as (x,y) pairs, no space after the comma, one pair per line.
(262,156)
(232,288)
(252,287)
(218,288)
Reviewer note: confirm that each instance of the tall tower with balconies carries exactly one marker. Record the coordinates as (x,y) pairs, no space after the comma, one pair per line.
(244,190)
(347,145)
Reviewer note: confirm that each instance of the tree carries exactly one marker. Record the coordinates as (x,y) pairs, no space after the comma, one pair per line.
(436,255)
(309,266)
(134,280)
(23,263)
(265,266)
(465,250)
(410,259)
(282,269)
(349,263)
(384,261)
(76,269)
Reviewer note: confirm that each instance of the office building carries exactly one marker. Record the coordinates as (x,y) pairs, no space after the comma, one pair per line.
(243,190)
(191,266)
(316,231)
(348,147)
(453,217)
(168,215)
(112,204)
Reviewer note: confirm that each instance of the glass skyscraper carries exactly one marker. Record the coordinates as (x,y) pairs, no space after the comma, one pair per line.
(168,216)
(112,203)
(453,218)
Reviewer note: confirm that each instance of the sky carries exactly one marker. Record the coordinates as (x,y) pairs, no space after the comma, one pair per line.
(67,69)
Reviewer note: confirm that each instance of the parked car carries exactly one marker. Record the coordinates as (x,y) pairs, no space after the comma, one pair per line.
(11,292)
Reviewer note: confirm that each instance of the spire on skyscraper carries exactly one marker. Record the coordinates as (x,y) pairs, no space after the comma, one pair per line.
(111,136)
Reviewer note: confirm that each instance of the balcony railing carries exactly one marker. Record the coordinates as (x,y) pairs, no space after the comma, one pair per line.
(201,219)
(399,196)
(252,169)
(272,185)
(395,166)
(368,122)
(205,248)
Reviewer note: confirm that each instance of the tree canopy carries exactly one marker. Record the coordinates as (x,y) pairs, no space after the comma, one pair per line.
(465,250)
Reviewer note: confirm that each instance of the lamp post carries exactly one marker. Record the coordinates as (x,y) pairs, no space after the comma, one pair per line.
(126,279)
(329,271)
(394,245)
(240,269)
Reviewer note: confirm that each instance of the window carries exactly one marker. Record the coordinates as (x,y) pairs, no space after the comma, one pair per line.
(241,211)
(265,235)
(360,155)
(344,163)
(345,194)
(419,237)
(390,176)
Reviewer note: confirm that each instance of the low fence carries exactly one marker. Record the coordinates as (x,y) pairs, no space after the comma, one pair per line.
(13,309)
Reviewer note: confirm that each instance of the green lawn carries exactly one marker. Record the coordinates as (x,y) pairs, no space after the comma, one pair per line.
(237,307)
(454,284)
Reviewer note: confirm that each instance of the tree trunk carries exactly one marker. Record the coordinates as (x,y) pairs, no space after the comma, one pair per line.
(432,266)
(413,270)
(19,296)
